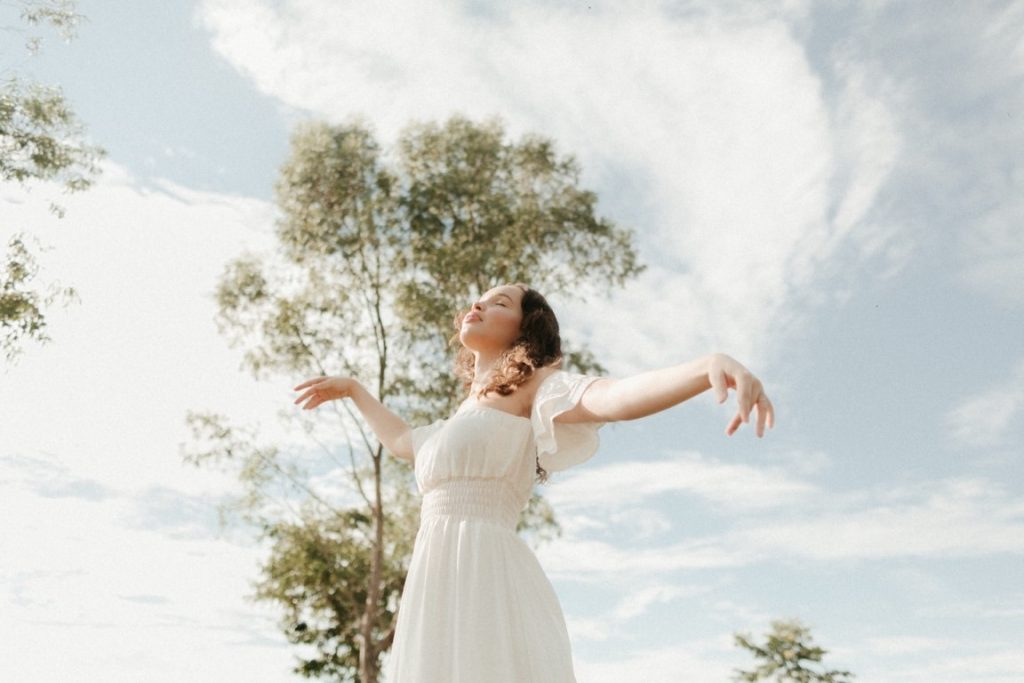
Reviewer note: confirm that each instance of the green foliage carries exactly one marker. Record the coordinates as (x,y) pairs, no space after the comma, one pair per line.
(60,14)
(320,549)
(40,139)
(784,655)
(317,571)
(21,314)
(377,251)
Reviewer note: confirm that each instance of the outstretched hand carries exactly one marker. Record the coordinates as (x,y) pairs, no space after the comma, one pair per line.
(726,372)
(322,389)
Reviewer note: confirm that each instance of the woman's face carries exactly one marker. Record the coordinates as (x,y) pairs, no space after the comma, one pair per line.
(494,321)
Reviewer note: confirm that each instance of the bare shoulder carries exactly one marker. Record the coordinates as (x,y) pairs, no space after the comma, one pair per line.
(539,375)
(529,388)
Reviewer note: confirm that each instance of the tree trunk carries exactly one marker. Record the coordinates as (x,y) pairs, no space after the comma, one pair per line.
(368,652)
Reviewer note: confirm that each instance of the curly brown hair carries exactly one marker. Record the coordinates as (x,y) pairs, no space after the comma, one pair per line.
(538,345)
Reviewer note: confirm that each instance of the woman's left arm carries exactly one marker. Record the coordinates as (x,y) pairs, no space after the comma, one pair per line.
(629,398)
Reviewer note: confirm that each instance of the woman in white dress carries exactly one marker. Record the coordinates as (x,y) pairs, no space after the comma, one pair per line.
(476,605)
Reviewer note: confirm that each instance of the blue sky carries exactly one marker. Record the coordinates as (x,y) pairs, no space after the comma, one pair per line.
(830,192)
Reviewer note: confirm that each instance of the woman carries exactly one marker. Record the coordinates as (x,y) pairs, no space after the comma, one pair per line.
(477,607)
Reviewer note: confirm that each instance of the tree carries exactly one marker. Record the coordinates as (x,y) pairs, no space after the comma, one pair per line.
(40,139)
(377,251)
(784,655)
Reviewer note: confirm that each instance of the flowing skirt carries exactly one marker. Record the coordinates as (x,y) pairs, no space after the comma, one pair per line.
(477,606)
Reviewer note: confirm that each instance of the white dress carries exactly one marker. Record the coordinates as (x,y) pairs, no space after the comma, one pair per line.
(477,607)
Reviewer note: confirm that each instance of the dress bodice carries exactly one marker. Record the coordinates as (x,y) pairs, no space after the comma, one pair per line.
(480,463)
(484,455)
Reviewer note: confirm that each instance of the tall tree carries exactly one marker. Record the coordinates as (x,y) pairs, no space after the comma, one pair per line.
(785,654)
(40,139)
(378,250)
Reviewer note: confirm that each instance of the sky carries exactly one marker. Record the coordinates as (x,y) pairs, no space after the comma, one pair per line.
(832,193)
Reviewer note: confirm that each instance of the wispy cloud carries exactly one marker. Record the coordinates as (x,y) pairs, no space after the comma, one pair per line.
(618,623)
(988,417)
(107,536)
(724,484)
(997,663)
(958,517)
(691,660)
(744,177)
(79,571)
(995,246)
(142,348)
(50,478)
(902,645)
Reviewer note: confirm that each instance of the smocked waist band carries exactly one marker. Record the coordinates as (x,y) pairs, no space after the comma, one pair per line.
(486,499)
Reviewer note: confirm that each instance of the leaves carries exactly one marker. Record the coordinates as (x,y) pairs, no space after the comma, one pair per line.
(58,13)
(785,654)
(21,307)
(40,140)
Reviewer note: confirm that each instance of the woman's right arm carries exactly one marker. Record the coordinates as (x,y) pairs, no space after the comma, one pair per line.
(391,430)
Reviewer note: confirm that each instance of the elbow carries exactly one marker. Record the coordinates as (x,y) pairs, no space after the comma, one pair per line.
(402,446)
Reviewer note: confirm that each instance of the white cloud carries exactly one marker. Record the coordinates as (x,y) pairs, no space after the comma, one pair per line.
(636,603)
(994,247)
(93,589)
(109,395)
(1007,605)
(962,179)
(904,645)
(958,517)
(619,622)
(948,518)
(987,418)
(998,663)
(692,660)
(868,139)
(599,562)
(733,157)
(111,562)
(728,485)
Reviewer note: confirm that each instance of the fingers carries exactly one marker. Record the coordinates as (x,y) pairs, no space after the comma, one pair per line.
(762,414)
(734,424)
(743,397)
(309,382)
(310,392)
(719,383)
(765,416)
(313,402)
(750,395)
(744,394)
(312,395)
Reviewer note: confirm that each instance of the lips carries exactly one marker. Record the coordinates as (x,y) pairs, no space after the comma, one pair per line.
(472,318)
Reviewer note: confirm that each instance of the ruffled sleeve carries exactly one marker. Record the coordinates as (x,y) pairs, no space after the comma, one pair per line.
(562,445)
(420,434)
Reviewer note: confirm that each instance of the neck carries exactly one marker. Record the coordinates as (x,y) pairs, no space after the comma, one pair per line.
(485,363)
